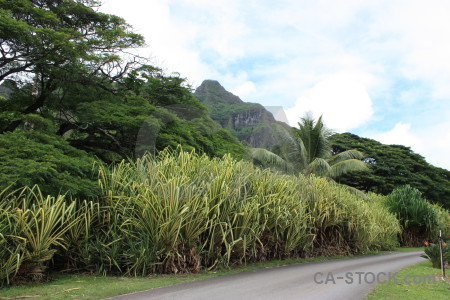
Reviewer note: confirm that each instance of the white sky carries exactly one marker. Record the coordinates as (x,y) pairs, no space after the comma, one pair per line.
(379,69)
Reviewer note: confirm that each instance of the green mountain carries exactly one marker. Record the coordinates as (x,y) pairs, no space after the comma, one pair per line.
(249,122)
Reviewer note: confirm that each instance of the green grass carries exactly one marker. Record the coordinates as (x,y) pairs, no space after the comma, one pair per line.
(99,287)
(89,287)
(433,291)
(406,249)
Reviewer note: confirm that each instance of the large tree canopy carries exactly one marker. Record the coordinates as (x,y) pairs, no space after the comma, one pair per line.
(65,65)
(49,43)
(41,35)
(392,166)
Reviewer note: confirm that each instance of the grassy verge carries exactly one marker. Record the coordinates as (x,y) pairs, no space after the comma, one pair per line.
(99,287)
(405,249)
(408,249)
(437,290)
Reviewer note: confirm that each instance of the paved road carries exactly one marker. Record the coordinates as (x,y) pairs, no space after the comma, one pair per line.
(299,281)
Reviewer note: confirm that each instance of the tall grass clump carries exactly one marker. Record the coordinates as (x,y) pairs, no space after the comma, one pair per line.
(181,212)
(342,222)
(443,221)
(420,220)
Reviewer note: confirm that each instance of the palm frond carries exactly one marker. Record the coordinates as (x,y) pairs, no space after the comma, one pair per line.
(349,154)
(269,159)
(318,166)
(314,136)
(303,155)
(291,148)
(346,166)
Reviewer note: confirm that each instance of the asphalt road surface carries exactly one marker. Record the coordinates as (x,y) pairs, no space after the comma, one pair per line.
(336,279)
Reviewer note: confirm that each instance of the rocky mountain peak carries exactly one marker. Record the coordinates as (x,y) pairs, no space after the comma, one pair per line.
(249,122)
(213,91)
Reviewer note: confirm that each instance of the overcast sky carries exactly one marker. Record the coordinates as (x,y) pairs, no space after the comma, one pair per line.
(379,69)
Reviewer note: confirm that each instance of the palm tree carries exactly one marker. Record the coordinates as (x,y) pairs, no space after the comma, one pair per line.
(308,151)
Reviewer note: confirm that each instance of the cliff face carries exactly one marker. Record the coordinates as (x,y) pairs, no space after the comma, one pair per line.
(252,117)
(249,122)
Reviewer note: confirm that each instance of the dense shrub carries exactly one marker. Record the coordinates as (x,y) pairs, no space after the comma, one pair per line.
(420,219)
(38,157)
(180,212)
(342,222)
(433,254)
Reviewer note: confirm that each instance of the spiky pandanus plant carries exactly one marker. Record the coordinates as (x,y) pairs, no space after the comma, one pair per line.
(32,228)
(11,246)
(179,212)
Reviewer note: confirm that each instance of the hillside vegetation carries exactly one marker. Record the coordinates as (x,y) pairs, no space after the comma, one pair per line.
(393,166)
(180,212)
(108,165)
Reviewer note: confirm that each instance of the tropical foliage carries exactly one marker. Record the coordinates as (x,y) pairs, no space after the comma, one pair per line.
(94,174)
(309,152)
(70,96)
(420,219)
(39,157)
(315,151)
(32,227)
(182,211)
(392,166)
(49,43)
(433,254)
